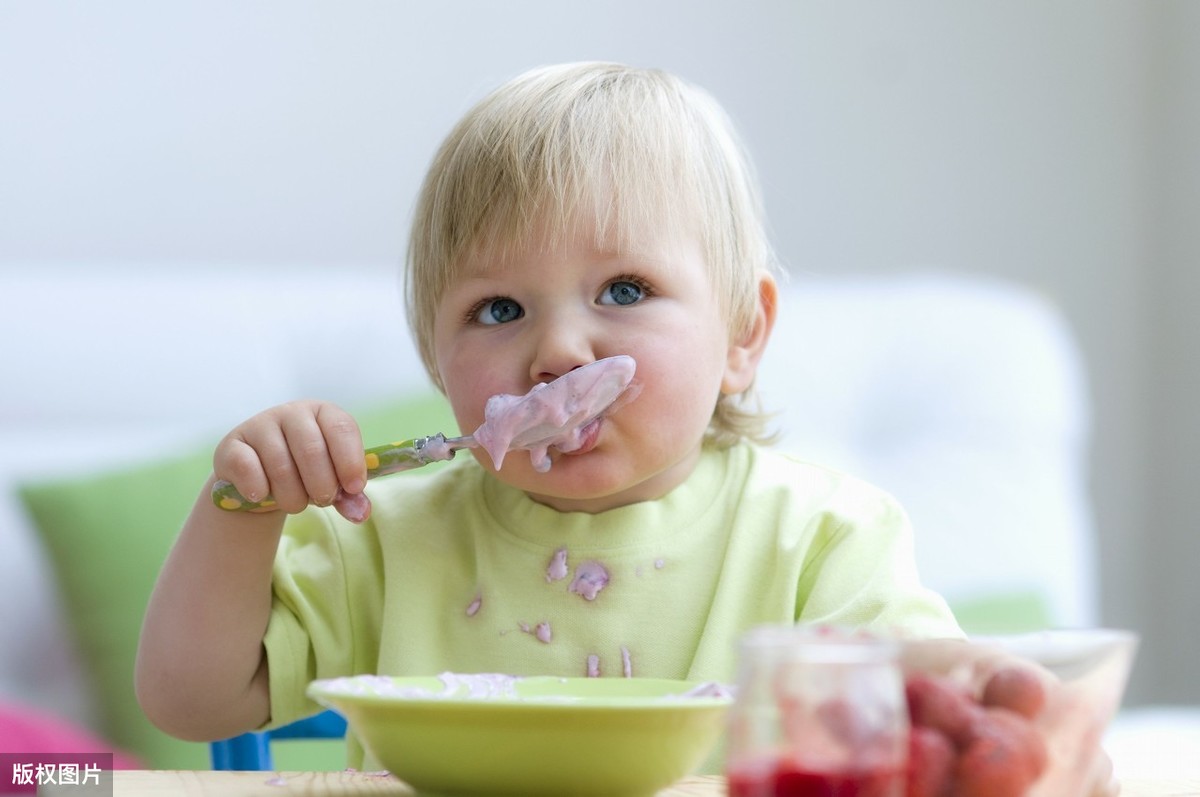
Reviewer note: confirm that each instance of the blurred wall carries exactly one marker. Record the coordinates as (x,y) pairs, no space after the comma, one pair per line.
(1170,531)
(1052,144)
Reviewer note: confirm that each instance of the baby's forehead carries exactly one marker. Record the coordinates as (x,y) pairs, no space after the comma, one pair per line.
(649,245)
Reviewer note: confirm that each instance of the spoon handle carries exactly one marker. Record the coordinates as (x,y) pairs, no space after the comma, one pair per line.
(381,460)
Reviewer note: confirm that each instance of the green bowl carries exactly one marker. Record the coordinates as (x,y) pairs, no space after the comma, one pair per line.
(484,734)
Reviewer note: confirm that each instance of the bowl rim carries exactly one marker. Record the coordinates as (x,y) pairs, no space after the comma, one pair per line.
(1057,638)
(326,691)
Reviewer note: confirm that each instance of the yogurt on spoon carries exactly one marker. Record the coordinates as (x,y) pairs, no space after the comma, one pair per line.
(562,414)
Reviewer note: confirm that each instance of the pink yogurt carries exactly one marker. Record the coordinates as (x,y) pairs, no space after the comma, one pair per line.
(557,414)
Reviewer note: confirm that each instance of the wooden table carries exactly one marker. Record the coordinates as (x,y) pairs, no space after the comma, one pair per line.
(160,783)
(146,783)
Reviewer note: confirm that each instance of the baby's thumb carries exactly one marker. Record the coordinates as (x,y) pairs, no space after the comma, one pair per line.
(356,508)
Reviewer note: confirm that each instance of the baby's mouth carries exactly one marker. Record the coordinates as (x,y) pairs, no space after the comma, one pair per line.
(588,436)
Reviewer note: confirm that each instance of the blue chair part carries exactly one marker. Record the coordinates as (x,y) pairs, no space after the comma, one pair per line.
(252,751)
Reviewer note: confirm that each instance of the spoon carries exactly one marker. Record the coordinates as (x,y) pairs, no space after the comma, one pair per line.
(553,414)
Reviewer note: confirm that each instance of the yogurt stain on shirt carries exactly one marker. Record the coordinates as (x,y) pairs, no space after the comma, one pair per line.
(590,578)
(541,631)
(557,569)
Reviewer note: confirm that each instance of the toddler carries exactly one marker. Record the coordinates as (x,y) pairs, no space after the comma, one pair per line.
(578,212)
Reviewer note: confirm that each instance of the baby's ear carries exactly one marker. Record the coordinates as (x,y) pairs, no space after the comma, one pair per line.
(741,364)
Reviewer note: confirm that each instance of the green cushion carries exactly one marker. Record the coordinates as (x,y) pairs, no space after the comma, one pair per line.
(1002,613)
(107,535)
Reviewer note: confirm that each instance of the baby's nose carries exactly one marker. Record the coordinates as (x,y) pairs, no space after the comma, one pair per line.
(559,353)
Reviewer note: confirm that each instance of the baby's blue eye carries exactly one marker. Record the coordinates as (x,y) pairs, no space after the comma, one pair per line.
(622,292)
(498,311)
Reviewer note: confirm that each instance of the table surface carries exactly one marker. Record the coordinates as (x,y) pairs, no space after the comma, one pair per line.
(158,783)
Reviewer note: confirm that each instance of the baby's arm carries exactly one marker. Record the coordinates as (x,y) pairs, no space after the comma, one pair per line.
(201,668)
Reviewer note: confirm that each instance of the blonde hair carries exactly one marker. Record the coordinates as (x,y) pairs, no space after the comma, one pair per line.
(635,148)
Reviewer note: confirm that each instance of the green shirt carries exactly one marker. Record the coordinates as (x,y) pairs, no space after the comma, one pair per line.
(458,572)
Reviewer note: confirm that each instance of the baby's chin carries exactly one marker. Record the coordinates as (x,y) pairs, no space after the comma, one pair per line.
(574,483)
(590,502)
(594,490)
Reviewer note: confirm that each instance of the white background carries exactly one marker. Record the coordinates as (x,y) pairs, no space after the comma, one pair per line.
(1054,144)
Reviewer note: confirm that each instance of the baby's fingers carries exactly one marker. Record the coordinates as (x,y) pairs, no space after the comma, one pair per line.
(297,453)
(355,507)
(322,444)
(345,446)
(235,461)
(268,468)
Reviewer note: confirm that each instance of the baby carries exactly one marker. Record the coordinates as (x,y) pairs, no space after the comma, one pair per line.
(579,212)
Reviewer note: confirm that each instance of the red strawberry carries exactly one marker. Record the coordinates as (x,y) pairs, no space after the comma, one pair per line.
(1012,728)
(1015,688)
(939,703)
(1004,755)
(930,763)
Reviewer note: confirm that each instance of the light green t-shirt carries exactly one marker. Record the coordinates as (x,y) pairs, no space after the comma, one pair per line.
(458,572)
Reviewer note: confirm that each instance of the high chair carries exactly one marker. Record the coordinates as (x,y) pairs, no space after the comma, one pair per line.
(252,751)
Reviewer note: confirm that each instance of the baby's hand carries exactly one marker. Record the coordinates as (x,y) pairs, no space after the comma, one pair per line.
(298,453)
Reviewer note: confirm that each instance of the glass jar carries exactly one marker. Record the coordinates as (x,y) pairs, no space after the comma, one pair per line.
(819,712)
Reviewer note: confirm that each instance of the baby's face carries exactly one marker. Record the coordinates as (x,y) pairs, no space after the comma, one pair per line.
(509,324)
